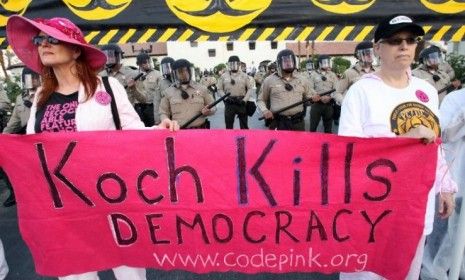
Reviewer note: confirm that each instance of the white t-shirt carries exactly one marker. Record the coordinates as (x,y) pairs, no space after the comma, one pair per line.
(373,109)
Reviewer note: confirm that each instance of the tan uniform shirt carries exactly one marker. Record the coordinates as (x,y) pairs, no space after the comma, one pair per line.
(123,76)
(163,84)
(243,86)
(148,84)
(207,81)
(351,75)
(273,95)
(446,68)
(423,73)
(20,115)
(173,106)
(320,86)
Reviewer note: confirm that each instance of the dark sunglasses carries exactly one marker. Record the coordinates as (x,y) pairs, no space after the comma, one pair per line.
(37,40)
(398,41)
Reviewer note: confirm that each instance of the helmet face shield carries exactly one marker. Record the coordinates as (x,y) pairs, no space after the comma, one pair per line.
(366,55)
(433,59)
(182,75)
(287,62)
(166,69)
(234,65)
(325,63)
(309,66)
(113,57)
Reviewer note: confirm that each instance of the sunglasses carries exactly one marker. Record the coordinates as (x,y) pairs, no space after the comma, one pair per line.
(39,39)
(398,41)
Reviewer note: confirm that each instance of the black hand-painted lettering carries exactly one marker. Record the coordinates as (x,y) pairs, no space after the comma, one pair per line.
(371,239)
(140,189)
(347,164)
(57,201)
(283,228)
(175,172)
(229,225)
(383,180)
(336,236)
(296,182)
(318,225)
(324,169)
(245,231)
(153,228)
(197,221)
(241,169)
(116,219)
(258,176)
(122,185)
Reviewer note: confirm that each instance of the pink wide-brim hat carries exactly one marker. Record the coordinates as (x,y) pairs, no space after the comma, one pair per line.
(20,31)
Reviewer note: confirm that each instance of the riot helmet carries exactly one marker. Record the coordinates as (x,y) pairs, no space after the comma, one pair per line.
(182,71)
(166,67)
(364,52)
(142,58)
(272,67)
(309,66)
(431,57)
(286,61)
(234,63)
(114,55)
(324,62)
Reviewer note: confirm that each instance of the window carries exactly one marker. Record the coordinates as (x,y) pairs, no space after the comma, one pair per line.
(194,44)
(211,52)
(274,45)
(230,46)
(252,45)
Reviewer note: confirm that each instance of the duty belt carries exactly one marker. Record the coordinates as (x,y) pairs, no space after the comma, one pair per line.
(293,118)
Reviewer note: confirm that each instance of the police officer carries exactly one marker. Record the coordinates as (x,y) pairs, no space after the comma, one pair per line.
(209,82)
(241,88)
(125,75)
(166,82)
(148,84)
(283,89)
(186,98)
(30,82)
(365,58)
(430,58)
(271,69)
(18,121)
(260,75)
(322,80)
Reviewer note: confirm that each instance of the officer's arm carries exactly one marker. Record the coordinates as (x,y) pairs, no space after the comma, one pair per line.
(264,96)
(14,123)
(250,88)
(220,87)
(341,88)
(165,109)
(208,99)
(138,92)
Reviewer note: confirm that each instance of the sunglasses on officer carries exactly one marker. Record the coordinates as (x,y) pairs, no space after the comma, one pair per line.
(397,41)
(39,39)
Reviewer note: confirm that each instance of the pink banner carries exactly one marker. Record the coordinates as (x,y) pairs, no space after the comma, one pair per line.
(202,201)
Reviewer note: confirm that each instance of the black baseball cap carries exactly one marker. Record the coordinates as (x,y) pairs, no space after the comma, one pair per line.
(394,24)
